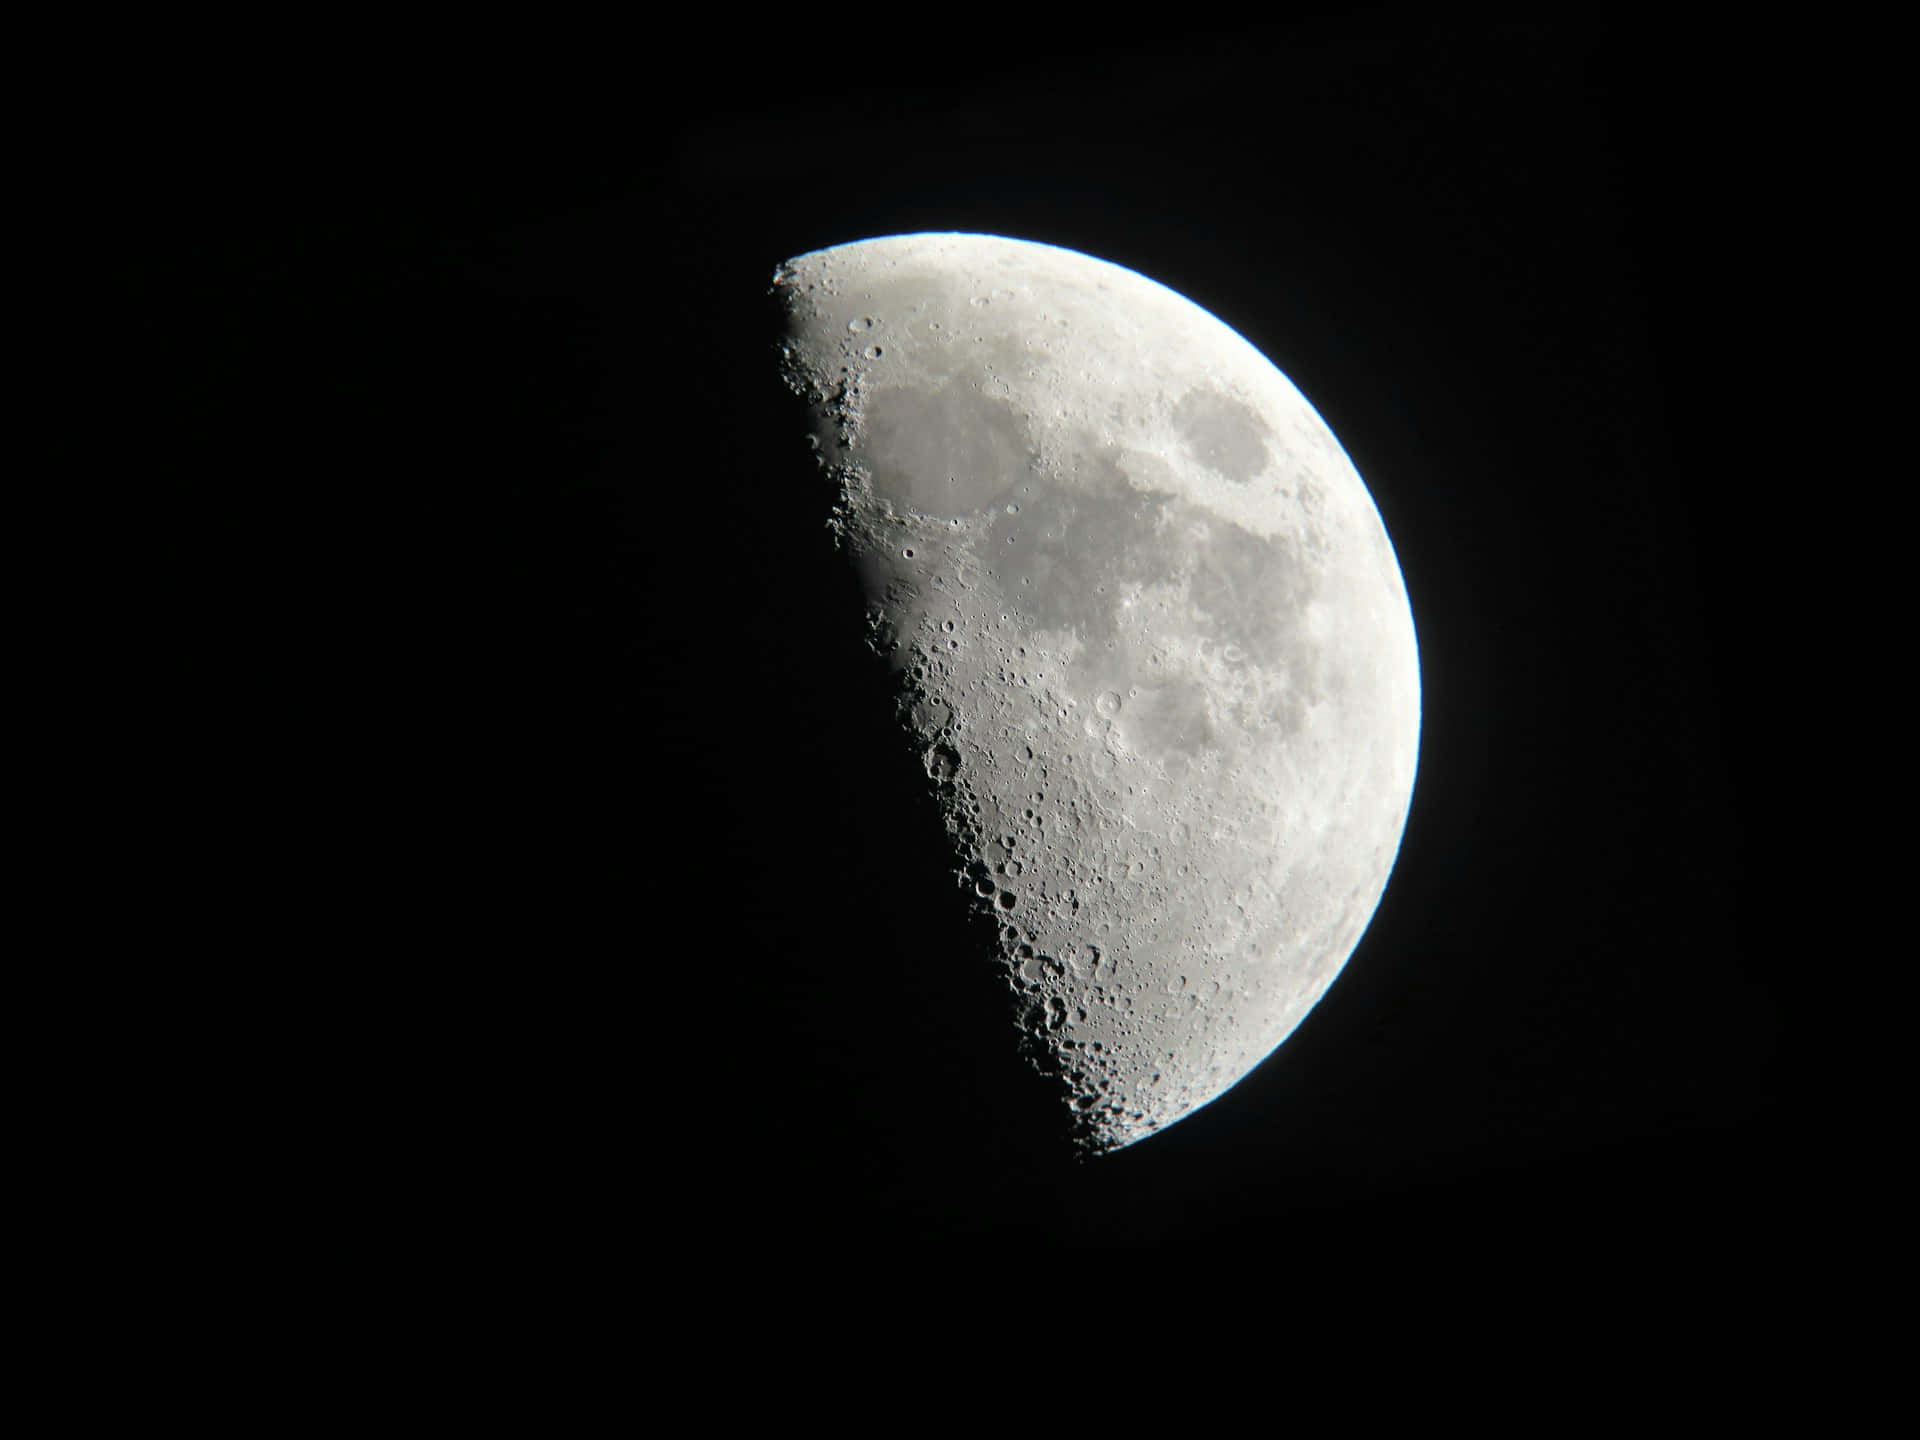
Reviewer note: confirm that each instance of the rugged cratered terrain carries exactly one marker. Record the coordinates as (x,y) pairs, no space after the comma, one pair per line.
(1150,638)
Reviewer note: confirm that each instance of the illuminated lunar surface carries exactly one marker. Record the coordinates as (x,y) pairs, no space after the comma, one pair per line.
(1150,638)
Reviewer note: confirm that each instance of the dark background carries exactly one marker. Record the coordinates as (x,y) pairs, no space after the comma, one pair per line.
(628,933)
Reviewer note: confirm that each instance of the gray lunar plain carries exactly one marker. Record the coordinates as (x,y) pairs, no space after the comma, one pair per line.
(1150,638)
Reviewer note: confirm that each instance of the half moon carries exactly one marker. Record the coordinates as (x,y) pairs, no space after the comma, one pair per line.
(1150,638)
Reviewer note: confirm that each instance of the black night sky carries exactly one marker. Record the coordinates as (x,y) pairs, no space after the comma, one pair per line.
(648,923)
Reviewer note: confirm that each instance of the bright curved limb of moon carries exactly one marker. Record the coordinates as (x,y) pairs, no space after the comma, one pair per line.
(1150,636)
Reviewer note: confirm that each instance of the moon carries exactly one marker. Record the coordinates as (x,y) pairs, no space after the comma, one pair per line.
(1149,640)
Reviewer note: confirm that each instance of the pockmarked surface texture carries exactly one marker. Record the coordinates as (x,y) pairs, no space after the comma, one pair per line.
(1150,640)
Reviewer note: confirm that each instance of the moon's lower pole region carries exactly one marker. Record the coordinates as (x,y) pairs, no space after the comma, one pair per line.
(1149,635)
